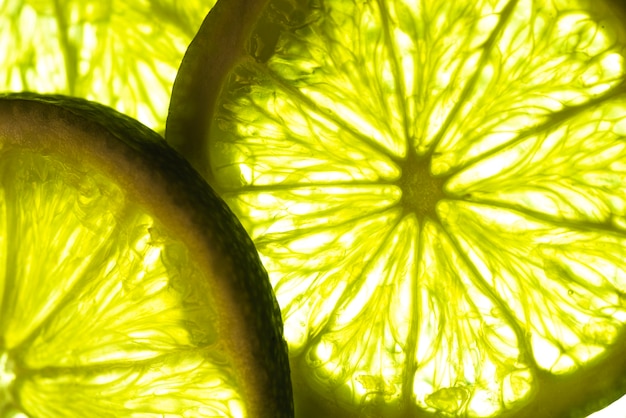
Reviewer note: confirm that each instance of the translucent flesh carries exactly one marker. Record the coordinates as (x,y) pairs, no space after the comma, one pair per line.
(118,52)
(509,259)
(102,312)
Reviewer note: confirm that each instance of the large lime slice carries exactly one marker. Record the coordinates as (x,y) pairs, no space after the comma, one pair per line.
(437,189)
(127,288)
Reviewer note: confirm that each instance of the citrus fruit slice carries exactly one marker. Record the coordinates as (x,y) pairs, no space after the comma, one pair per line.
(127,287)
(123,53)
(437,190)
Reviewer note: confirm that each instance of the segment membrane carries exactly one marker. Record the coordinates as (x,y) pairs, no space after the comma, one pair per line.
(574,171)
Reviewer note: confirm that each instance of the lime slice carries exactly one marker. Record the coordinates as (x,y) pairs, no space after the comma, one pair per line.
(123,53)
(127,287)
(437,189)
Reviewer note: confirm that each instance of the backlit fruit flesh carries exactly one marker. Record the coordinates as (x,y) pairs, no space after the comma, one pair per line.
(121,53)
(127,287)
(437,189)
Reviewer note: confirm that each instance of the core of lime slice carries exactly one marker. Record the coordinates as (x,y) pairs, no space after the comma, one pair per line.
(127,287)
(437,189)
(123,53)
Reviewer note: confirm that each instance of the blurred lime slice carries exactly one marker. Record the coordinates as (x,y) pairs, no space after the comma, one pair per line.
(437,189)
(122,53)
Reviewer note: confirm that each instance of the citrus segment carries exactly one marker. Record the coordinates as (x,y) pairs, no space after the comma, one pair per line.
(192,387)
(575,276)
(121,295)
(436,189)
(467,347)
(117,52)
(572,171)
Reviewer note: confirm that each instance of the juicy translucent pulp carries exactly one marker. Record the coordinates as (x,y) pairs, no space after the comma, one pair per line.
(122,53)
(513,263)
(101,311)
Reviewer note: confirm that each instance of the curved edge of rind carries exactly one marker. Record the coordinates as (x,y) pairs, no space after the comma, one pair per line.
(219,44)
(141,160)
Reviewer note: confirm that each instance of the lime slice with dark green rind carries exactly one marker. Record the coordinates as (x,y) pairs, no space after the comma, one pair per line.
(353,140)
(128,285)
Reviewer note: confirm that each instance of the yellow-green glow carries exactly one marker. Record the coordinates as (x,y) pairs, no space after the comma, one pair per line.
(101,307)
(438,191)
(123,53)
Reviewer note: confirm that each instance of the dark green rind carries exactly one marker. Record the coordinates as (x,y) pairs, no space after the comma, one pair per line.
(186,187)
(220,43)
